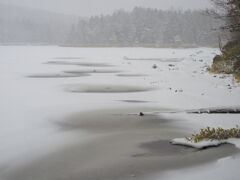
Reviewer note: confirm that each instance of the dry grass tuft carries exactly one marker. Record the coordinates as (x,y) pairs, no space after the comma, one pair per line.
(215,134)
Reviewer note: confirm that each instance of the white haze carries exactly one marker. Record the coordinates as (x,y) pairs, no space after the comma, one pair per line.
(96,7)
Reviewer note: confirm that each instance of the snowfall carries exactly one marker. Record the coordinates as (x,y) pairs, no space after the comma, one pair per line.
(37,91)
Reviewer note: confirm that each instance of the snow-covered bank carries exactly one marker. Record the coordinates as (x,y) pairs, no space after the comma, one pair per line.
(205,143)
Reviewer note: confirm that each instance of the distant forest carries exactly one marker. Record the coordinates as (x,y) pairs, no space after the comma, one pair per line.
(140,27)
(146,27)
(21,25)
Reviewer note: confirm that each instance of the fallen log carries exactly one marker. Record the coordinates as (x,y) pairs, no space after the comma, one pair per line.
(229,110)
(217,110)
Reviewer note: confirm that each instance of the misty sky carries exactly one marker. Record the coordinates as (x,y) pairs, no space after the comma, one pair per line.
(95,7)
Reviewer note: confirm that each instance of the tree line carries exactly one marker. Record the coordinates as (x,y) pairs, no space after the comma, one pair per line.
(140,27)
(146,27)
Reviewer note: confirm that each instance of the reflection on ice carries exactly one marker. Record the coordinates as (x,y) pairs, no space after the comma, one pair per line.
(105,88)
(93,71)
(131,75)
(87,64)
(57,75)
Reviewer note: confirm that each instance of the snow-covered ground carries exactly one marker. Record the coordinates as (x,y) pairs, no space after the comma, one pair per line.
(29,105)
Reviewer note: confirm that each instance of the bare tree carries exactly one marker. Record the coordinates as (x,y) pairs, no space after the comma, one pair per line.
(229,11)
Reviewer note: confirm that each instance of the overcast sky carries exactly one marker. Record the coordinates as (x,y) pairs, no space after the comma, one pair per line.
(95,7)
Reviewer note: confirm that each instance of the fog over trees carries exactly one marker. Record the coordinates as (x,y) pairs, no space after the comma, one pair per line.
(19,25)
(146,27)
(140,27)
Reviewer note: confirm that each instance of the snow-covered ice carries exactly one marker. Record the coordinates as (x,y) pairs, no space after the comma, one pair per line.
(29,105)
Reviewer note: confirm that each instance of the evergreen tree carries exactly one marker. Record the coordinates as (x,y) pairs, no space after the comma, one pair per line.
(146,27)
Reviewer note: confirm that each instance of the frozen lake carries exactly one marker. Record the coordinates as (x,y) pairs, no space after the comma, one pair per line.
(45,87)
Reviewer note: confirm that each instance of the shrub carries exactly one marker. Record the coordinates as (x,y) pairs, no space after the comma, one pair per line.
(231,44)
(237,67)
(215,134)
(229,61)
(218,64)
(237,77)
